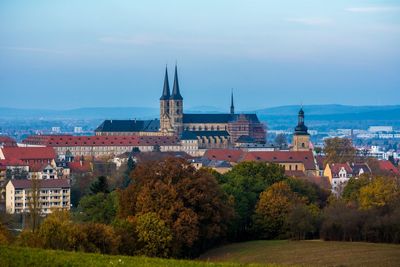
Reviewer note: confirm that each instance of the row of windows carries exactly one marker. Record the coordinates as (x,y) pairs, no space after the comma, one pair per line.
(205,128)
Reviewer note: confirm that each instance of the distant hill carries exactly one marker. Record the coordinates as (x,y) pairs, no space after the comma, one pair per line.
(275,117)
(80,113)
(326,110)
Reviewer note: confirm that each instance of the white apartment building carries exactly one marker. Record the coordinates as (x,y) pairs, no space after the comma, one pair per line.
(53,194)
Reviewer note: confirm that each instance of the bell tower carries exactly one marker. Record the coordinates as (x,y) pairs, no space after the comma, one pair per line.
(176,106)
(301,137)
(165,121)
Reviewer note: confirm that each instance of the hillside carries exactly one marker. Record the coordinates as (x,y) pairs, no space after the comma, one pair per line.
(16,256)
(308,253)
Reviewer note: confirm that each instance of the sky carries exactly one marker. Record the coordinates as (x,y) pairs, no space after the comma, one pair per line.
(68,54)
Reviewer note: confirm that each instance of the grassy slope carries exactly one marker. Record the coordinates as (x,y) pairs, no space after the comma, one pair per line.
(16,256)
(308,253)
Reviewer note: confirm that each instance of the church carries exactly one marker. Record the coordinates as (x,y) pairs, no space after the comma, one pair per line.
(208,130)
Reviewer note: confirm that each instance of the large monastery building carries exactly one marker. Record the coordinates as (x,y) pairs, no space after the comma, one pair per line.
(210,130)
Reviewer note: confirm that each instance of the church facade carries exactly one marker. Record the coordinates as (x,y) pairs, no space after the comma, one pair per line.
(211,130)
(206,130)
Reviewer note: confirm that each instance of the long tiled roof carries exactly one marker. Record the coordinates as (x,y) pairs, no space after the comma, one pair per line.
(129,126)
(51,183)
(7,141)
(29,153)
(115,140)
(217,118)
(305,157)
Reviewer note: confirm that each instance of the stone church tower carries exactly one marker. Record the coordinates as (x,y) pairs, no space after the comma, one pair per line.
(171,107)
(165,120)
(301,137)
(176,106)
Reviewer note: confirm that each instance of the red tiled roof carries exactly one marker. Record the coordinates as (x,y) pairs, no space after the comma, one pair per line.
(51,183)
(230,155)
(7,141)
(29,153)
(336,167)
(37,167)
(305,157)
(386,165)
(76,166)
(115,140)
(12,162)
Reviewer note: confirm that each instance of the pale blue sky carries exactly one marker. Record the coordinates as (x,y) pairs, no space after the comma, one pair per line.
(74,53)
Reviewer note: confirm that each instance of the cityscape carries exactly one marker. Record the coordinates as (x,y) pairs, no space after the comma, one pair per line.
(273,139)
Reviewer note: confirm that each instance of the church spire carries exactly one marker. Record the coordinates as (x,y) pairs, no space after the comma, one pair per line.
(232,105)
(176,95)
(301,128)
(165,95)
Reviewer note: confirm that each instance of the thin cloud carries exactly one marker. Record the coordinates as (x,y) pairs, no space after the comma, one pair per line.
(373,9)
(137,40)
(310,21)
(32,49)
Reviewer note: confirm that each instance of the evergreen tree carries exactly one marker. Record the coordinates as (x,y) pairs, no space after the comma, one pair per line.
(130,166)
(100,186)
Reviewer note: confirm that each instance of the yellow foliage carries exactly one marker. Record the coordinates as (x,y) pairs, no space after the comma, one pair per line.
(380,192)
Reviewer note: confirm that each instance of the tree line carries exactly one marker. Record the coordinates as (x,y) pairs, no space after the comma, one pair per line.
(167,208)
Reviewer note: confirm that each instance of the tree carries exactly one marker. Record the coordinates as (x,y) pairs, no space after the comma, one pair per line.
(100,186)
(80,186)
(243,184)
(272,210)
(99,208)
(280,140)
(190,202)
(34,204)
(339,150)
(309,191)
(342,222)
(100,238)
(351,192)
(303,221)
(5,236)
(380,192)
(58,232)
(130,166)
(154,234)
(125,229)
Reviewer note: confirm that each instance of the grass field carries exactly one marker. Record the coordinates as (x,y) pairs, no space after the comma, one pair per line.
(15,256)
(308,253)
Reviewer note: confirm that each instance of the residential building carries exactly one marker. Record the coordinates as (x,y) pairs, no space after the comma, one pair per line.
(52,194)
(339,174)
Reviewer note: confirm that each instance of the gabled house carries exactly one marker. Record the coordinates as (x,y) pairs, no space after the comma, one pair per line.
(339,174)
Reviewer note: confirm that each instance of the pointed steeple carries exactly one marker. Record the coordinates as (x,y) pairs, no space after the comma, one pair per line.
(232,105)
(176,95)
(165,95)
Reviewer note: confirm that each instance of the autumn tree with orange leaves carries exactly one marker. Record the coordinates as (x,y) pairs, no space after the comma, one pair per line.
(189,202)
